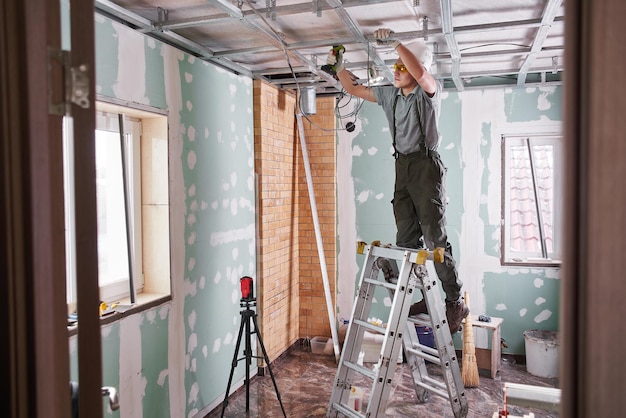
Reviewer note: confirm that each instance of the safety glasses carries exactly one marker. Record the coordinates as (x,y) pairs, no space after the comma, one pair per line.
(400,67)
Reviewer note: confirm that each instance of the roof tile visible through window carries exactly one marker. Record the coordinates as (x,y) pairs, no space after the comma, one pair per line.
(525,235)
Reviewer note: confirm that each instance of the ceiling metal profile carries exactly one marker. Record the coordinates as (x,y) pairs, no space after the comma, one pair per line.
(285,42)
(546,23)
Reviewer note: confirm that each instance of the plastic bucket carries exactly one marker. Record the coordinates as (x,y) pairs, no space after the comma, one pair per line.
(542,352)
(425,336)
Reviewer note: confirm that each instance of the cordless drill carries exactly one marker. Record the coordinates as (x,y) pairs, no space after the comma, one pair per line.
(330,69)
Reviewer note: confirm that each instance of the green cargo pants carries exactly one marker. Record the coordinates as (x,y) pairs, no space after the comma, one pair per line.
(419,208)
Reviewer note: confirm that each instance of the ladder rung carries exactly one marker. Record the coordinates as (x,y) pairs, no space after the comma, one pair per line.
(375,282)
(433,389)
(347,411)
(372,327)
(360,369)
(424,355)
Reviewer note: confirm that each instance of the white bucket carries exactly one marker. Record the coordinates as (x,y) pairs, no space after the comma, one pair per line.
(542,353)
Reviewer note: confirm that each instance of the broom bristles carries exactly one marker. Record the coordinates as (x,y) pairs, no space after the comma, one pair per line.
(469,367)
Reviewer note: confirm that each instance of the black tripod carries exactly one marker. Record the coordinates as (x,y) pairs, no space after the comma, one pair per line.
(246,316)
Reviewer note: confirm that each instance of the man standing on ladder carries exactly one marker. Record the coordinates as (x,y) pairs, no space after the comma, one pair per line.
(412,108)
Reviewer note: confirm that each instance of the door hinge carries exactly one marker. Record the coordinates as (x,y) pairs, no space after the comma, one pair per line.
(75,84)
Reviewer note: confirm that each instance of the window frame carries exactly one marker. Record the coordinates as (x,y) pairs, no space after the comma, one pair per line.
(149,290)
(532,259)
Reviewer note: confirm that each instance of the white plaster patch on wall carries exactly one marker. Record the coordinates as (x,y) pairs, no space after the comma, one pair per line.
(523,312)
(233,179)
(192,413)
(205,351)
(246,204)
(151,316)
(216,345)
(233,207)
(188,77)
(206,133)
(543,316)
(233,108)
(215,205)
(131,65)
(500,307)
(162,377)
(234,235)
(234,297)
(132,382)
(192,190)
(191,240)
(191,320)
(202,282)
(193,394)
(191,219)
(164,311)
(542,101)
(151,43)
(225,202)
(191,264)
(191,133)
(192,159)
(189,106)
(363,196)
(235,253)
(228,339)
(176,333)
(191,59)
(379,196)
(538,282)
(217,278)
(233,89)
(540,301)
(357,151)
(189,288)
(193,206)
(387,301)
(372,151)
(204,205)
(219,137)
(194,365)
(449,146)
(192,342)
(225,186)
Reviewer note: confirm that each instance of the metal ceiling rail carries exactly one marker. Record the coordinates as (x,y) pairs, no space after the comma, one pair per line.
(112,10)
(549,14)
(358,35)
(286,10)
(448,33)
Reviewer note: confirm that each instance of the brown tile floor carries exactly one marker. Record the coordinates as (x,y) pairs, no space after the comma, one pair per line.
(305,382)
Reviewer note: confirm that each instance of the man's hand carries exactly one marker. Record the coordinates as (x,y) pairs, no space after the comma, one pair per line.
(335,59)
(382,37)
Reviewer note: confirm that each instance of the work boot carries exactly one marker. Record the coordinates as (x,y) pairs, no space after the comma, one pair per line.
(418,308)
(455,313)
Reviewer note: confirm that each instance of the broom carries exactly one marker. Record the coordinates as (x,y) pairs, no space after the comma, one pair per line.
(469,365)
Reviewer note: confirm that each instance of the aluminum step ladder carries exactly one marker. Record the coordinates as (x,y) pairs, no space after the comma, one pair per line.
(399,333)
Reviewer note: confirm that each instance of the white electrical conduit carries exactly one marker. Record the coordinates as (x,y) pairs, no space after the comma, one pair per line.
(318,238)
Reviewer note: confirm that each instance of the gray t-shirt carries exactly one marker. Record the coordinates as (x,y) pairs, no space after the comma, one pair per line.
(409,131)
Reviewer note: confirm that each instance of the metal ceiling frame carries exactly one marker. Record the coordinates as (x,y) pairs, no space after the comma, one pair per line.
(306,70)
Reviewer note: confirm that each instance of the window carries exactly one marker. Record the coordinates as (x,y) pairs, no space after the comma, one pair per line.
(132,205)
(532,194)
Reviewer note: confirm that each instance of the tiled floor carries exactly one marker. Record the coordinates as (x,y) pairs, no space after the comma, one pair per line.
(305,382)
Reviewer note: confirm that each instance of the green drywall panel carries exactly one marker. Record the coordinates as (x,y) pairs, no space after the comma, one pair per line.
(110,364)
(526,299)
(154,358)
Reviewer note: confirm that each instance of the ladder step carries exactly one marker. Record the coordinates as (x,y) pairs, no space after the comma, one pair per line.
(347,411)
(360,369)
(370,326)
(433,389)
(375,282)
(426,356)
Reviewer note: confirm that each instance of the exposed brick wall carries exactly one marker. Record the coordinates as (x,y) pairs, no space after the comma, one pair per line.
(290,287)
(320,144)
